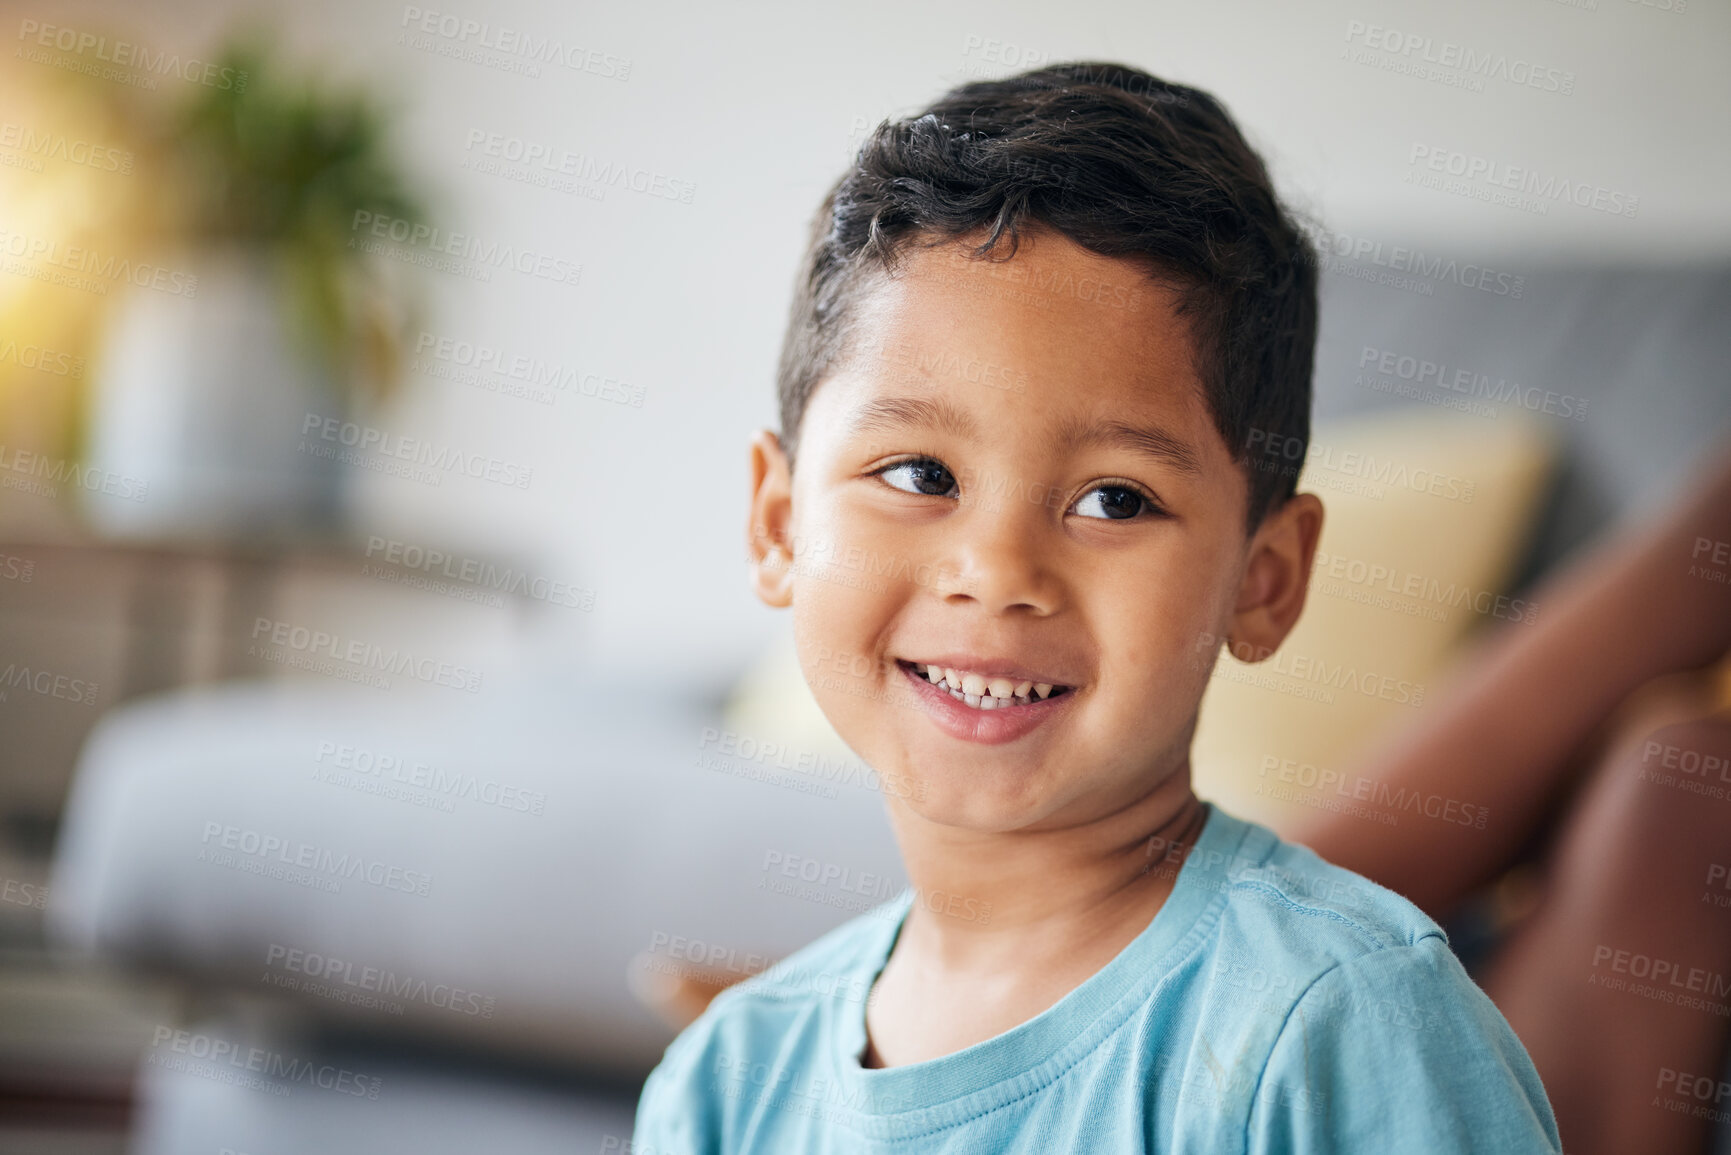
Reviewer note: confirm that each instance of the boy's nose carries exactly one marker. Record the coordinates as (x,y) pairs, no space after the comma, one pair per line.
(1004,563)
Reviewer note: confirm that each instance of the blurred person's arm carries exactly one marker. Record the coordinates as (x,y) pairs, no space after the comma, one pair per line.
(1522,706)
(679,996)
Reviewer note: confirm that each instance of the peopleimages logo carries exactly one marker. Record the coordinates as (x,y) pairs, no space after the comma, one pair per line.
(329,969)
(47,683)
(581,166)
(1385,586)
(526,47)
(1526,188)
(59,146)
(88,270)
(1358,787)
(366,439)
(222,842)
(52,472)
(364,655)
(253,1067)
(1337,248)
(42,360)
(369,765)
(1273,452)
(1500,390)
(477,572)
(1307,676)
(125,54)
(526,368)
(432,241)
(1455,58)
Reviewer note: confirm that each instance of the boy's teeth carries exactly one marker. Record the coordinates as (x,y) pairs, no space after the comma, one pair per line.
(981,692)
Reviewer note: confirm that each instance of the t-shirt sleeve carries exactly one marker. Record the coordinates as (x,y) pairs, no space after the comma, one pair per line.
(675,1113)
(1396,1051)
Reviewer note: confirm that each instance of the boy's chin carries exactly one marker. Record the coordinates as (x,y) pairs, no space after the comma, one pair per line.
(978,807)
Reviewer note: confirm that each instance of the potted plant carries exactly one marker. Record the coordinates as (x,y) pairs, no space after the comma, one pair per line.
(259,316)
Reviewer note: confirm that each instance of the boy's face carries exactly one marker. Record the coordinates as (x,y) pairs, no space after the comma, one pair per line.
(1016,475)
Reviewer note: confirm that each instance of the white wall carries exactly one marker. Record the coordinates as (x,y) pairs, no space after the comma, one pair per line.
(756,104)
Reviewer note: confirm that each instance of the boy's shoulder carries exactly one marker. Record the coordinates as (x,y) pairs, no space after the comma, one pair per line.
(1355,997)
(1290,917)
(1271,880)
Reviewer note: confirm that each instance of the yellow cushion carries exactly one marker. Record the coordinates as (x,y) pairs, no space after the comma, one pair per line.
(1427,515)
(1428,512)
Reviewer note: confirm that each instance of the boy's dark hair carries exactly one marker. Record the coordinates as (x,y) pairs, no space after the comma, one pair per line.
(1122,163)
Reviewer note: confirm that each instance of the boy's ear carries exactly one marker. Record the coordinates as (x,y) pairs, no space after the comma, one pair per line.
(1276,577)
(769,532)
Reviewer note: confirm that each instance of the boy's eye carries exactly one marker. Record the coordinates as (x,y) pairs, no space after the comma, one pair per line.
(1113,502)
(922,475)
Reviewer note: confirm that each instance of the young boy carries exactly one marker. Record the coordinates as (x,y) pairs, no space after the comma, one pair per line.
(1040,330)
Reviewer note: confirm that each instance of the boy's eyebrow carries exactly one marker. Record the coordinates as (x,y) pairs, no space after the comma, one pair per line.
(889,413)
(1150,441)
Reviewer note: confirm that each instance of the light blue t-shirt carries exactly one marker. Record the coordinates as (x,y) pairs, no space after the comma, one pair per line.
(1275,1003)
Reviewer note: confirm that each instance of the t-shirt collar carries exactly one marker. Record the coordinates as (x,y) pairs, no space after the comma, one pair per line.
(1075,1023)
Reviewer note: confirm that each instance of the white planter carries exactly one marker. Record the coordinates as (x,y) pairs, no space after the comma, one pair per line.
(204,400)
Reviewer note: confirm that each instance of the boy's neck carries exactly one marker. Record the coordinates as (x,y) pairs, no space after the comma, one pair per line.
(980,898)
(1034,915)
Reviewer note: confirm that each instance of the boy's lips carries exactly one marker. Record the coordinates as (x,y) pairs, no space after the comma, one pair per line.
(1004,721)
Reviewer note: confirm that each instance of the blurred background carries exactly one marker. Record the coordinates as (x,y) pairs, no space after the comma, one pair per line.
(386,728)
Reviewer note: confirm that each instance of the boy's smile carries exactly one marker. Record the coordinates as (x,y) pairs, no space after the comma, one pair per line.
(1018,461)
(984,701)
